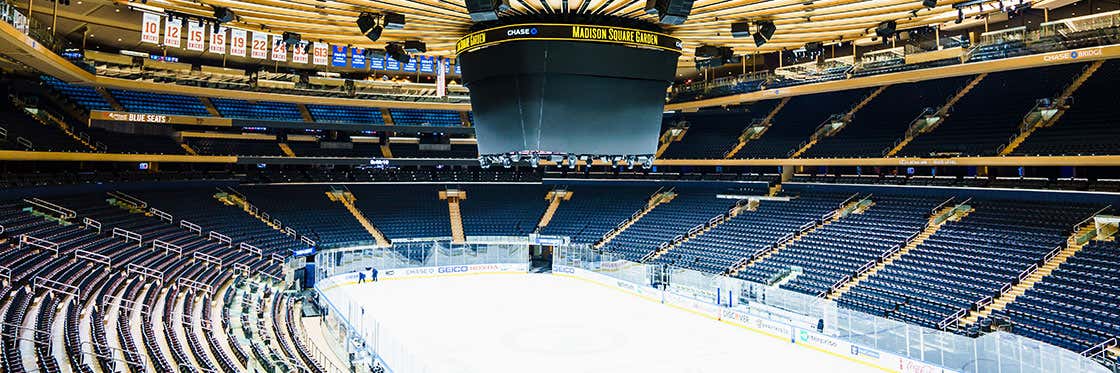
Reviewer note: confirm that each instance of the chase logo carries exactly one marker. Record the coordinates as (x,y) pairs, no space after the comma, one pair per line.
(522,32)
(453,269)
(804,336)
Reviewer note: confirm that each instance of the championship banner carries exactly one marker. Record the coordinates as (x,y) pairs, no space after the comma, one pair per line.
(319,54)
(172,33)
(338,55)
(278,52)
(441,78)
(587,33)
(260,45)
(391,64)
(377,61)
(196,36)
(299,52)
(149,31)
(217,39)
(237,42)
(358,58)
(427,64)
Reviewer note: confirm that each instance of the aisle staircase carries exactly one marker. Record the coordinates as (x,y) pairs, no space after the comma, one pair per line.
(749,135)
(657,199)
(554,197)
(714,222)
(304,113)
(210,108)
(287,150)
(116,105)
(233,198)
(936,220)
(919,127)
(837,215)
(671,135)
(346,198)
(774,190)
(453,196)
(1059,104)
(47,119)
(187,148)
(828,128)
(1040,272)
(387,117)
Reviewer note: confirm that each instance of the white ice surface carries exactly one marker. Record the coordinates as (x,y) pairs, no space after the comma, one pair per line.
(543,324)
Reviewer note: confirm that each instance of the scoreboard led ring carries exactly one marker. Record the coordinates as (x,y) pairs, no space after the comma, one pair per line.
(567,32)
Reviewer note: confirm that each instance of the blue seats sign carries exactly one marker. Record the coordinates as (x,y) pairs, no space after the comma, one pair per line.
(411,65)
(338,55)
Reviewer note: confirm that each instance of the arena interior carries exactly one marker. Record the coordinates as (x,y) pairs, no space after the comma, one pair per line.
(490,186)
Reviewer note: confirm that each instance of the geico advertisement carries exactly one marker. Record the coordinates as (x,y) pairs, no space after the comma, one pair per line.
(448,270)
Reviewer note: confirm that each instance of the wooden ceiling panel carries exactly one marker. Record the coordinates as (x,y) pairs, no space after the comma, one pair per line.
(440,23)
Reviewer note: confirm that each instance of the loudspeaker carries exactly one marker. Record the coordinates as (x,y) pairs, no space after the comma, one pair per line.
(707,51)
(885,29)
(929,3)
(367,24)
(759,40)
(223,15)
(673,12)
(486,10)
(740,29)
(291,38)
(415,46)
(397,52)
(393,21)
(767,29)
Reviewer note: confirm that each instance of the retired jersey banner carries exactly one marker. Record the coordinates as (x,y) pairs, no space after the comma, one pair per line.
(441,78)
(260,45)
(173,33)
(196,36)
(278,52)
(237,42)
(358,58)
(218,39)
(149,33)
(319,54)
(299,52)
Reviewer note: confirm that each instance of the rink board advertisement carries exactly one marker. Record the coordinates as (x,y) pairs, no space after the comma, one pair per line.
(424,272)
(806,337)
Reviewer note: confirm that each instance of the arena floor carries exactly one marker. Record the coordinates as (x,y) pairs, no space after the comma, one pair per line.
(541,323)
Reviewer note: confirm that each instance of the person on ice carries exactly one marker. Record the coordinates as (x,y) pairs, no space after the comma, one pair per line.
(361,277)
(374,274)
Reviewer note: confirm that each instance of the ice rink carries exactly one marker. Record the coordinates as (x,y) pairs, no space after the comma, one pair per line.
(515,323)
